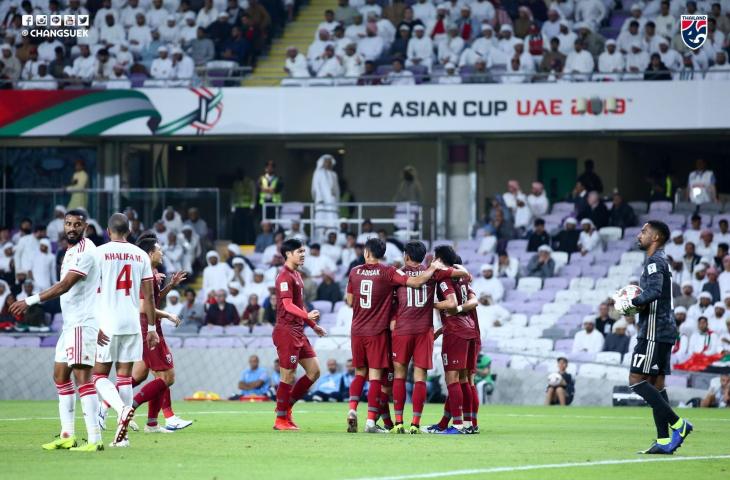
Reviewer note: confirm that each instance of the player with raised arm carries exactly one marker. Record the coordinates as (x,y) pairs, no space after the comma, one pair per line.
(126,276)
(651,359)
(458,347)
(158,360)
(292,346)
(412,336)
(76,347)
(370,293)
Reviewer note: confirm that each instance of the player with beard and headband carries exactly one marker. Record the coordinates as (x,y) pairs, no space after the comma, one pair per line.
(651,359)
(76,347)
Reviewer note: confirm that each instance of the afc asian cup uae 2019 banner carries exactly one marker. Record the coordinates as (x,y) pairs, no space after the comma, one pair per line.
(563,107)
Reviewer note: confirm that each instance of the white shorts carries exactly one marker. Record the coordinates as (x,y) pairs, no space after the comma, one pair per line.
(77,346)
(121,348)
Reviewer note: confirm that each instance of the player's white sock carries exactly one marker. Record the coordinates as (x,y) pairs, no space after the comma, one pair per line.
(108,392)
(67,408)
(370,422)
(124,385)
(90,405)
(467,424)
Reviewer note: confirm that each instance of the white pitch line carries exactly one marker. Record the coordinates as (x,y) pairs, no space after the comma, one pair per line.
(523,468)
(183,412)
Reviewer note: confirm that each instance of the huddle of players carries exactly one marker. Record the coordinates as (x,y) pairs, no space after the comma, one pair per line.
(392,324)
(101,289)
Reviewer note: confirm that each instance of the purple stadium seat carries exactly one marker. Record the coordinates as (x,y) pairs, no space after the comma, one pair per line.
(196,342)
(517,246)
(490,344)
(49,341)
(581,309)
(338,305)
(174,342)
(6,341)
(571,321)
(607,258)
(516,296)
(556,283)
(438,243)
(224,342)
(236,330)
(500,360)
(570,271)
(529,308)
(383,70)
(137,80)
(208,330)
(676,381)
(507,283)
(542,296)
(595,271)
(581,356)
(324,306)
(28,342)
(632,232)
(563,207)
(660,206)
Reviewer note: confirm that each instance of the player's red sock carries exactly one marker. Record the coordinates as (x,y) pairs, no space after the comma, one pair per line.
(153,409)
(399,398)
(166,404)
(374,400)
(419,400)
(466,402)
(356,391)
(456,400)
(474,405)
(151,390)
(300,389)
(385,410)
(446,418)
(282,399)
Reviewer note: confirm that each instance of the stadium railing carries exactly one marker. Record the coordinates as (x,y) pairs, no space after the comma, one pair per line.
(38,203)
(406,217)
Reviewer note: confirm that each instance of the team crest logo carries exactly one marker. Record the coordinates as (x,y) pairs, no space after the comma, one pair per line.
(694,30)
(168,358)
(446,359)
(293,359)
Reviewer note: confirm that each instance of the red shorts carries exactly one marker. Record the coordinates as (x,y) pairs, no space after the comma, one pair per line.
(418,347)
(159,359)
(371,351)
(456,352)
(471,360)
(291,348)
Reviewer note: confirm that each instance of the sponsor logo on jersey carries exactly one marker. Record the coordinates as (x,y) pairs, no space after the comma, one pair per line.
(651,268)
(694,30)
(284,287)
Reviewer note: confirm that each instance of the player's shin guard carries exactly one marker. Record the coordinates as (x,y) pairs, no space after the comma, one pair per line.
(399,398)
(151,390)
(166,404)
(108,392)
(90,406)
(374,401)
(419,400)
(446,418)
(466,402)
(283,393)
(124,386)
(474,405)
(300,389)
(153,408)
(67,408)
(456,400)
(384,401)
(663,413)
(356,391)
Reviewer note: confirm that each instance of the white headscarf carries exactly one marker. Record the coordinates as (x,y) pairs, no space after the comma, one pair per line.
(325,185)
(5,294)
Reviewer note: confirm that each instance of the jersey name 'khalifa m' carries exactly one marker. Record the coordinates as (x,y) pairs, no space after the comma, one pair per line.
(656,321)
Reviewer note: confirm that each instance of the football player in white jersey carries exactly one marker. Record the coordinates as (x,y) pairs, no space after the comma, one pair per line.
(125,273)
(76,347)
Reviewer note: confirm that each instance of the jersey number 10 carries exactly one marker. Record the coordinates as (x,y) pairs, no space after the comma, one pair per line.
(417,297)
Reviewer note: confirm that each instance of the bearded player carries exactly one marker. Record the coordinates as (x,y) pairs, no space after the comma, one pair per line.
(651,360)
(413,334)
(292,346)
(76,347)
(457,349)
(159,360)
(370,293)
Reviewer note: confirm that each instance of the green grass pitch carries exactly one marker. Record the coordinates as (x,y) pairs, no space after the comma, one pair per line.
(232,441)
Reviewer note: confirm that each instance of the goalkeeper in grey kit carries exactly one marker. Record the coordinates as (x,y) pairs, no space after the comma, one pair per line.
(651,359)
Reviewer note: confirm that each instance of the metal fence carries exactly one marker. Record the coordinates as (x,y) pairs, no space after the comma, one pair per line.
(406,217)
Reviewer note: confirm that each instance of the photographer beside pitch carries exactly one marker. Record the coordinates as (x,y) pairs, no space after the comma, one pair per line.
(651,360)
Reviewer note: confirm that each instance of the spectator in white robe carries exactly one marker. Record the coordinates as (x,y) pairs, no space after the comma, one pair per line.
(296,64)
(629,37)
(592,12)
(316,48)
(551,27)
(424,11)
(450,49)
(43,266)
(611,63)
(174,253)
(589,241)
(139,36)
(55,229)
(580,64)
(637,61)
(567,38)
(325,194)
(670,57)
(372,46)
(588,340)
(488,284)
(353,62)
(215,275)
(328,65)
(507,40)
(537,200)
(720,70)
(420,49)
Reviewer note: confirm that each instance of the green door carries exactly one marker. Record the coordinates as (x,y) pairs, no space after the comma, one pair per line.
(558,175)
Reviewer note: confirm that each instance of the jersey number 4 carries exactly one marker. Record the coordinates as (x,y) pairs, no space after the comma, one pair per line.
(124,279)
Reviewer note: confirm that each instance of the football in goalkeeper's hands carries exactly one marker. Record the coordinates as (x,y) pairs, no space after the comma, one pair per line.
(623,297)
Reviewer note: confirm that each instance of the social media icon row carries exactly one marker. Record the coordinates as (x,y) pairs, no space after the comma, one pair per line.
(55,20)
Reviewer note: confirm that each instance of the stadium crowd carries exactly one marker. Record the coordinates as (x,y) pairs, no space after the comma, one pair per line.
(491,41)
(135,42)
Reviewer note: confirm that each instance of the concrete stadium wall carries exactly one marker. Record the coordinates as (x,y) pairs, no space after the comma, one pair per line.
(27,375)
